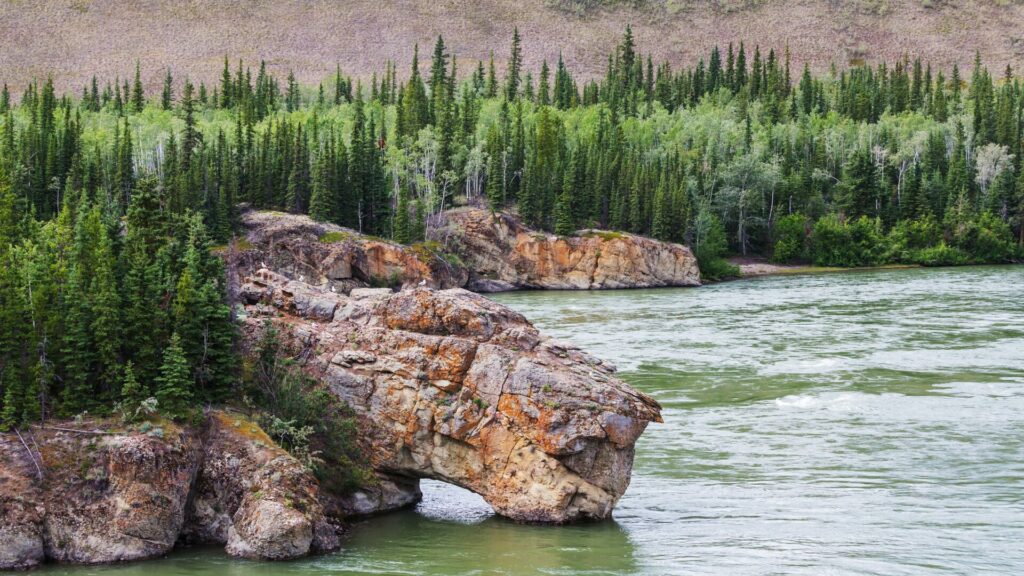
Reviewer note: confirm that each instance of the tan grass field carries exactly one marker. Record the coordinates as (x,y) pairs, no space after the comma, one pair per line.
(74,39)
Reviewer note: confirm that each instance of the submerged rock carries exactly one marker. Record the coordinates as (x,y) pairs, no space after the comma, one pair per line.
(450,385)
(501,254)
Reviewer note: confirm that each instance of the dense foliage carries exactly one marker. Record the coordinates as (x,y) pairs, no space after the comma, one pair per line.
(304,417)
(109,201)
(99,303)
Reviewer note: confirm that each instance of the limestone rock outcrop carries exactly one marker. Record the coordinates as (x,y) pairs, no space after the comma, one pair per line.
(503,254)
(101,493)
(452,386)
(495,253)
(21,507)
(253,496)
(95,496)
(337,258)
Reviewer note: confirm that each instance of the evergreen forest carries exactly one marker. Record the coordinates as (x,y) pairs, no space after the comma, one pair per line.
(118,202)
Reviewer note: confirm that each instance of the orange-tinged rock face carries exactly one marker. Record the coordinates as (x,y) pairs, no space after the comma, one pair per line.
(453,386)
(497,253)
(501,252)
(337,258)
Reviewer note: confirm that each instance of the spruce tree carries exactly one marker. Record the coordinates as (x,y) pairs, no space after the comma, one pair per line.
(167,96)
(490,88)
(544,89)
(174,382)
(495,187)
(403,232)
(133,394)
(105,313)
(564,225)
(515,65)
(138,97)
(321,202)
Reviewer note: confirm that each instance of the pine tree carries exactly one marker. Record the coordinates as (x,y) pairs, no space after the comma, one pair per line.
(138,98)
(515,65)
(167,96)
(174,383)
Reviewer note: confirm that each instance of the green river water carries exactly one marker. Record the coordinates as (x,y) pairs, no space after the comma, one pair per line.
(850,423)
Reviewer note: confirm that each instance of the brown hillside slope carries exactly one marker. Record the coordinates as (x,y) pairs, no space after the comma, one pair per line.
(74,39)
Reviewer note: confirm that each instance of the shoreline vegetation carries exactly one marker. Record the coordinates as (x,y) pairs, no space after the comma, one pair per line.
(760,267)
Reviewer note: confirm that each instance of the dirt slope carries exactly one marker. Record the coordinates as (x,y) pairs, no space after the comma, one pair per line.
(73,39)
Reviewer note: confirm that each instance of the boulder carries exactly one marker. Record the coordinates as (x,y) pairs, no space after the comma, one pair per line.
(94,495)
(449,385)
(495,253)
(21,506)
(253,496)
(385,493)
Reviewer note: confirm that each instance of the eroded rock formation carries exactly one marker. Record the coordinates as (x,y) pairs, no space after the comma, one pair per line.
(337,258)
(502,254)
(495,253)
(103,493)
(254,497)
(450,385)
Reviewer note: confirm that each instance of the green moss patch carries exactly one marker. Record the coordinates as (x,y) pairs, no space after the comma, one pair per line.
(334,237)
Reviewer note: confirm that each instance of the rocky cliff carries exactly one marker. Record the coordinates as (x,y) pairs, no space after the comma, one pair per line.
(482,252)
(101,493)
(503,254)
(450,385)
(337,258)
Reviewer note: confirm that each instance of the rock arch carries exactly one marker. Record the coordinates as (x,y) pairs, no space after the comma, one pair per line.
(452,386)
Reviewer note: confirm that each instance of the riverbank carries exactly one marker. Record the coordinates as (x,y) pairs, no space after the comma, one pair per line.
(753,267)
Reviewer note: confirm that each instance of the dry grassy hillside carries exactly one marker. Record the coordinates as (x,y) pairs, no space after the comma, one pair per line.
(74,39)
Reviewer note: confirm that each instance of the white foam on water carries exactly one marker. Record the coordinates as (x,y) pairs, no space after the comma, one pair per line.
(833,401)
(814,366)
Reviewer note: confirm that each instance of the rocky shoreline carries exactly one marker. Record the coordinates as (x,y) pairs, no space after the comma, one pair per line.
(100,492)
(445,384)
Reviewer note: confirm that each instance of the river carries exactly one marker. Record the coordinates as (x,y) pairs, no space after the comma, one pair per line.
(848,423)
